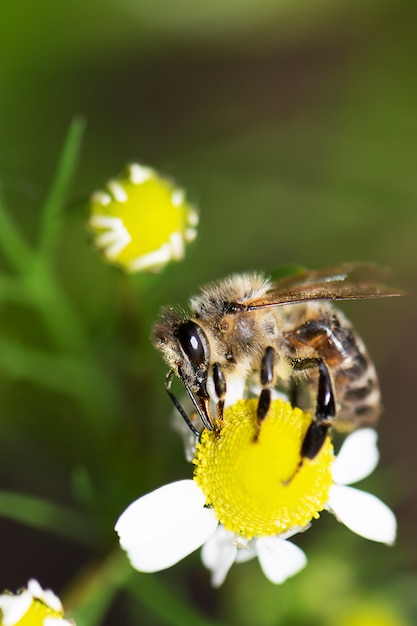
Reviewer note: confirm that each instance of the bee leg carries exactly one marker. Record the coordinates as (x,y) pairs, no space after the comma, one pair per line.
(267,378)
(293,394)
(219,381)
(168,384)
(325,413)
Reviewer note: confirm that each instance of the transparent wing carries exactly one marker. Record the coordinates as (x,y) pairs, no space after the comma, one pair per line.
(349,281)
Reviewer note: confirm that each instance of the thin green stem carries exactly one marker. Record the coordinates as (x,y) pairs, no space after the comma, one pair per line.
(172,610)
(34,268)
(90,595)
(39,286)
(13,245)
(63,323)
(12,290)
(89,381)
(74,370)
(55,201)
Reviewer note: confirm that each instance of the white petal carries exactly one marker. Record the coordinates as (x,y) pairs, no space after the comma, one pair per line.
(246,553)
(46,595)
(14,607)
(219,554)
(279,559)
(363,513)
(294,531)
(357,458)
(35,589)
(164,526)
(153,259)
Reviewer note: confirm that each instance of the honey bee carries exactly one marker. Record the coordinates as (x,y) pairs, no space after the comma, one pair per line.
(288,335)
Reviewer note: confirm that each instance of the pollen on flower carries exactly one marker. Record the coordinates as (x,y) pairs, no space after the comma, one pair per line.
(254,482)
(142,221)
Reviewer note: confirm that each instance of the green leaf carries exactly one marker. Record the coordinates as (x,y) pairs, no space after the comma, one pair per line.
(172,611)
(39,513)
(12,244)
(76,376)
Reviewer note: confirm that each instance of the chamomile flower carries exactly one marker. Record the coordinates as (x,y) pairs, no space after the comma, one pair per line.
(32,606)
(250,494)
(142,221)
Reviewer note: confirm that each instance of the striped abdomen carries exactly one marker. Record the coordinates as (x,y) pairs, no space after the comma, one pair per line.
(356,388)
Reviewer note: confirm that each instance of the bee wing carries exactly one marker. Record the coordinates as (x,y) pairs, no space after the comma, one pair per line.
(349,281)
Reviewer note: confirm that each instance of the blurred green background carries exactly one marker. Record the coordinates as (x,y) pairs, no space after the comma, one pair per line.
(293,126)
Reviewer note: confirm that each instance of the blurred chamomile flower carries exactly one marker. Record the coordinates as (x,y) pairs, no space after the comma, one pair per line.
(32,606)
(141,221)
(250,494)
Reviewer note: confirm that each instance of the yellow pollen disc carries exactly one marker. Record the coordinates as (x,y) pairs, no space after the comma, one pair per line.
(37,613)
(142,220)
(253,480)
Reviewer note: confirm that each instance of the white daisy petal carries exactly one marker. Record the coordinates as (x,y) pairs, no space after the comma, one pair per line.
(279,559)
(13,607)
(357,457)
(363,513)
(219,554)
(35,589)
(247,552)
(164,526)
(47,596)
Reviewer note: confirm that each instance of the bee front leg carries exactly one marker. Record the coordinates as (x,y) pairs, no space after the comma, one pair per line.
(267,378)
(220,388)
(325,410)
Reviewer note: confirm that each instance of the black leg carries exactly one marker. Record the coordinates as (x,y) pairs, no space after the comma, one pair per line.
(325,410)
(200,400)
(264,402)
(293,394)
(267,378)
(220,388)
(314,439)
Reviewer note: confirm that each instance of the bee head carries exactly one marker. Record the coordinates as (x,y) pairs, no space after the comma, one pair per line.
(185,347)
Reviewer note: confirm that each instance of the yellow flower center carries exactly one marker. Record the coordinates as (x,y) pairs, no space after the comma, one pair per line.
(37,613)
(254,479)
(142,220)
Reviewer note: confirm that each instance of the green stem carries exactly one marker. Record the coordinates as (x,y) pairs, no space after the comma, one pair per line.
(91,382)
(172,611)
(62,321)
(38,285)
(90,595)
(12,243)
(11,289)
(38,513)
(55,201)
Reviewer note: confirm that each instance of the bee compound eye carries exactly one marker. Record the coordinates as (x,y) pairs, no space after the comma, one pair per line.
(190,338)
